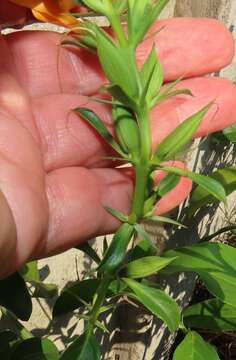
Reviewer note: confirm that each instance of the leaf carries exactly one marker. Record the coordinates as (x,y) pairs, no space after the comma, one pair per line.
(143,248)
(212,186)
(178,138)
(167,184)
(75,296)
(141,16)
(13,288)
(117,287)
(145,266)
(121,96)
(152,76)
(98,125)
(158,302)
(142,232)
(167,89)
(193,347)
(211,315)
(116,213)
(96,5)
(127,130)
(201,197)
(230,133)
(30,271)
(164,95)
(89,251)
(120,5)
(104,245)
(117,250)
(215,264)
(36,349)
(166,220)
(85,347)
(118,64)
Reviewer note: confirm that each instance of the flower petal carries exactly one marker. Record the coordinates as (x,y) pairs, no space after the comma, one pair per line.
(42,14)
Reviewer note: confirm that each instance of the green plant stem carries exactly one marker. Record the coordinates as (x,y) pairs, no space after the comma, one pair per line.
(142,169)
(219,232)
(142,172)
(115,22)
(98,301)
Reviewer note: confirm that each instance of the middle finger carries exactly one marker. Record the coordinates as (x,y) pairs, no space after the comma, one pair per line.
(189,47)
(67,140)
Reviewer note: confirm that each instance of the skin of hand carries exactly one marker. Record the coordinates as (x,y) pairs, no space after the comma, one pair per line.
(53,178)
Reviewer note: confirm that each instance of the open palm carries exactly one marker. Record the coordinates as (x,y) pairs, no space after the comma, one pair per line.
(52,168)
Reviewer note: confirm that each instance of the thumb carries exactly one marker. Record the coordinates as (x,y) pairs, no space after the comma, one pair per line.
(11,14)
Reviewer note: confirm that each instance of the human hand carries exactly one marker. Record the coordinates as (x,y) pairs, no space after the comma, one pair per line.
(52,172)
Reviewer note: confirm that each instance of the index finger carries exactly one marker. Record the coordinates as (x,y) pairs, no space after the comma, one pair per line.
(190,47)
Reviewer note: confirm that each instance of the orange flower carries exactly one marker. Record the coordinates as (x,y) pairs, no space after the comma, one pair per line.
(53,11)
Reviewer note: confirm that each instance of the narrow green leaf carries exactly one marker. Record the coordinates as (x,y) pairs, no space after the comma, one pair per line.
(75,296)
(215,264)
(166,220)
(89,251)
(118,64)
(85,347)
(117,250)
(35,349)
(162,96)
(120,5)
(212,315)
(152,76)
(209,184)
(167,184)
(167,89)
(142,232)
(201,197)
(193,347)
(158,302)
(145,266)
(230,133)
(116,213)
(98,125)
(118,94)
(176,141)
(141,16)
(96,5)
(16,287)
(104,245)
